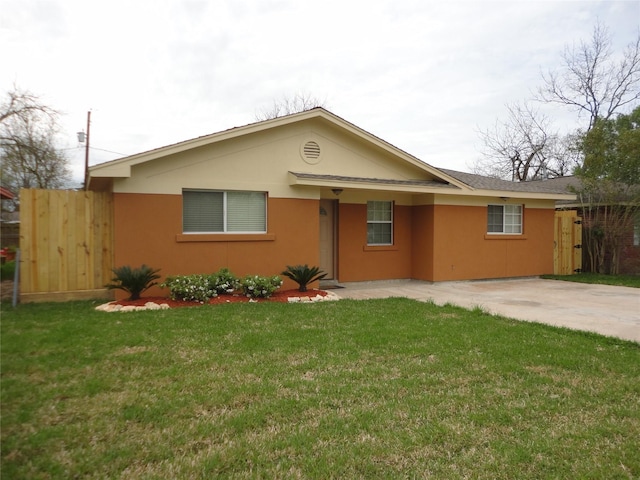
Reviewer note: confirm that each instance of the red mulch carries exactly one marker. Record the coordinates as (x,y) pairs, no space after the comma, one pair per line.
(278,296)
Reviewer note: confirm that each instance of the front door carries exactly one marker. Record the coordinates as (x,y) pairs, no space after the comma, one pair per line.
(327,238)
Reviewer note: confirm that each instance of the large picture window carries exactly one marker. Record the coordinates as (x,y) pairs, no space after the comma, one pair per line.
(379,223)
(207,211)
(505,219)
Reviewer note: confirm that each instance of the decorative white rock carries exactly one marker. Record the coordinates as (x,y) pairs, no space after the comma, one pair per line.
(115,307)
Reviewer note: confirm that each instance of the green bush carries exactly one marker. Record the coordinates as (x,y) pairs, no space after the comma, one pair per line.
(223,281)
(133,280)
(197,287)
(303,275)
(254,286)
(8,270)
(201,288)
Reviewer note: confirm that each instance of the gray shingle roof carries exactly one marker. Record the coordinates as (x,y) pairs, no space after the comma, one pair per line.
(487,183)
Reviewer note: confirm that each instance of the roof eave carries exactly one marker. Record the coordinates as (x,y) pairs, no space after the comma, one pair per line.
(525,195)
(365,184)
(380,185)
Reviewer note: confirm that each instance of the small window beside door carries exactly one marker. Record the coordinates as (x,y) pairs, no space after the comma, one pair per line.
(379,223)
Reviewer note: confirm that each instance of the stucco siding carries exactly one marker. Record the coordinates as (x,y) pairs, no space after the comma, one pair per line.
(359,262)
(148,229)
(261,162)
(465,250)
(422,242)
(431,242)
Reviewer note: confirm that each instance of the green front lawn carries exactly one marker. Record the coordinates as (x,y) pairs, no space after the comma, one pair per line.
(597,278)
(352,389)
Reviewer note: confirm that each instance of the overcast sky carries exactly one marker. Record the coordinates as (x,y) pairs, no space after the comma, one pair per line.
(423,75)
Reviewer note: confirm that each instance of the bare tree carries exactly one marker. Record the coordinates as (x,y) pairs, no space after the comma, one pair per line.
(567,154)
(593,80)
(23,103)
(523,147)
(299,102)
(28,152)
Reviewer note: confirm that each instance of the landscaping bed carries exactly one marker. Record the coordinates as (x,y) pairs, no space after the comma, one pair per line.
(158,303)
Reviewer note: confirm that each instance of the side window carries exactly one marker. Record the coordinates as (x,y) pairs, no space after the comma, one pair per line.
(379,223)
(504,219)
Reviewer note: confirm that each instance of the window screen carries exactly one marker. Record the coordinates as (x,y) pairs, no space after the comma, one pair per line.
(220,212)
(379,223)
(202,211)
(504,219)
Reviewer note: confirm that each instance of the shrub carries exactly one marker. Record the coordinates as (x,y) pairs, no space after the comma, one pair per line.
(8,270)
(199,288)
(133,280)
(303,275)
(223,281)
(255,286)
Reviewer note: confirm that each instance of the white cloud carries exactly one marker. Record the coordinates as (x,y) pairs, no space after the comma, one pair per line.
(422,75)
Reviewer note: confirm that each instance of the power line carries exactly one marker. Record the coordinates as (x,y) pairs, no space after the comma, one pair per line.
(109,151)
(95,148)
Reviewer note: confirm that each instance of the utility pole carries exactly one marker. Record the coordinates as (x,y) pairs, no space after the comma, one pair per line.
(86,153)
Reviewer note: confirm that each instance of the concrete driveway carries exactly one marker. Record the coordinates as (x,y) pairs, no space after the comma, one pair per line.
(604,309)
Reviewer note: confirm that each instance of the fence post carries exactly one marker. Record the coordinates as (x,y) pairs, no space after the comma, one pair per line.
(16,279)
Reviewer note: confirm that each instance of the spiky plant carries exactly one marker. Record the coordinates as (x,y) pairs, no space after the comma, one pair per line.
(303,275)
(134,281)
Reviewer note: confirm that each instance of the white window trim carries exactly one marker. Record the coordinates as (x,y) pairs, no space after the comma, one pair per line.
(390,222)
(504,215)
(225,227)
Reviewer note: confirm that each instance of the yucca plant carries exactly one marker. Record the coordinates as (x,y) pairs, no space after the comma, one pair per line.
(133,280)
(303,275)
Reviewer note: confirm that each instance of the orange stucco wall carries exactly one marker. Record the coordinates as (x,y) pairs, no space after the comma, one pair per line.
(443,243)
(422,242)
(147,226)
(357,262)
(465,251)
(431,242)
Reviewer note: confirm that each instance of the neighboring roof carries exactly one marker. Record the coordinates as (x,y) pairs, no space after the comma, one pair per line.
(618,193)
(5,194)
(567,183)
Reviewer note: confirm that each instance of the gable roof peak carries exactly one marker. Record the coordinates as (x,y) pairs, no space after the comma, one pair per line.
(123,165)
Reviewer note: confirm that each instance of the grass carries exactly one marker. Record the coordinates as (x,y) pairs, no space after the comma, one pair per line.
(597,278)
(353,389)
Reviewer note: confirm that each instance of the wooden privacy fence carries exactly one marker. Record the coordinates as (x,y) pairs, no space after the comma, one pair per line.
(567,243)
(66,244)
